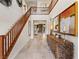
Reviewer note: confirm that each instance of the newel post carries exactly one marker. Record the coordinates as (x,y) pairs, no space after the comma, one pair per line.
(1,47)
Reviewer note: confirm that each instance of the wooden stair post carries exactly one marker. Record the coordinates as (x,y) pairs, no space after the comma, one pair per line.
(1,47)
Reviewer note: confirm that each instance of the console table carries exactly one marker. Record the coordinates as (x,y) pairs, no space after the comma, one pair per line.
(62,49)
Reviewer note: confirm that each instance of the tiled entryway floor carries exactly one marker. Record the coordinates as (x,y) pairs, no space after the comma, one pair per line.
(37,49)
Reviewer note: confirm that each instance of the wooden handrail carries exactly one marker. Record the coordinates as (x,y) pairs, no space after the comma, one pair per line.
(52,4)
(8,40)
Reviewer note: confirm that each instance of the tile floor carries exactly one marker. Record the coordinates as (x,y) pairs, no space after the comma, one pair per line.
(37,49)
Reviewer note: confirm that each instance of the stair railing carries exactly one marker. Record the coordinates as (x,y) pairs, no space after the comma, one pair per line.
(9,40)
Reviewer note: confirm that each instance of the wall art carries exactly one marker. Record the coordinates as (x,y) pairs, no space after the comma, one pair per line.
(6,2)
(19,3)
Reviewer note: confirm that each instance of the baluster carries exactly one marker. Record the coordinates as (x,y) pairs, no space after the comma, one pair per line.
(11,37)
(1,47)
(14,33)
(4,46)
(16,27)
(8,41)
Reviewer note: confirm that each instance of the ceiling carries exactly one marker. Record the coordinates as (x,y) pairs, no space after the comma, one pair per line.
(38,0)
(39,3)
(36,22)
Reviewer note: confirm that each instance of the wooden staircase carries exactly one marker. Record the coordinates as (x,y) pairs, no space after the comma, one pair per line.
(8,40)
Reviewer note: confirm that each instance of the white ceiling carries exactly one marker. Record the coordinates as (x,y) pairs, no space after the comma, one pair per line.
(41,3)
(36,22)
(37,0)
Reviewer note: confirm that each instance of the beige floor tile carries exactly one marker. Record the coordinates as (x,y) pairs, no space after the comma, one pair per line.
(38,49)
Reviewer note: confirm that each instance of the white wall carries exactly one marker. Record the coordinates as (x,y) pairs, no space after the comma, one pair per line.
(61,6)
(8,16)
(43,3)
(40,17)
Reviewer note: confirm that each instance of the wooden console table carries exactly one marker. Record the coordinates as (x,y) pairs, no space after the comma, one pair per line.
(62,49)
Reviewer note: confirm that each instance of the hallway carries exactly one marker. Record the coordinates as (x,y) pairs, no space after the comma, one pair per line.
(37,49)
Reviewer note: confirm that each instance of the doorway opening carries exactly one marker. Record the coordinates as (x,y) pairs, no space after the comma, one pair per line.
(39,27)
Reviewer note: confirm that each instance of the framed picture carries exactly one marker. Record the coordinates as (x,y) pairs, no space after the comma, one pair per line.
(67,25)
(56,23)
(6,2)
(68,21)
